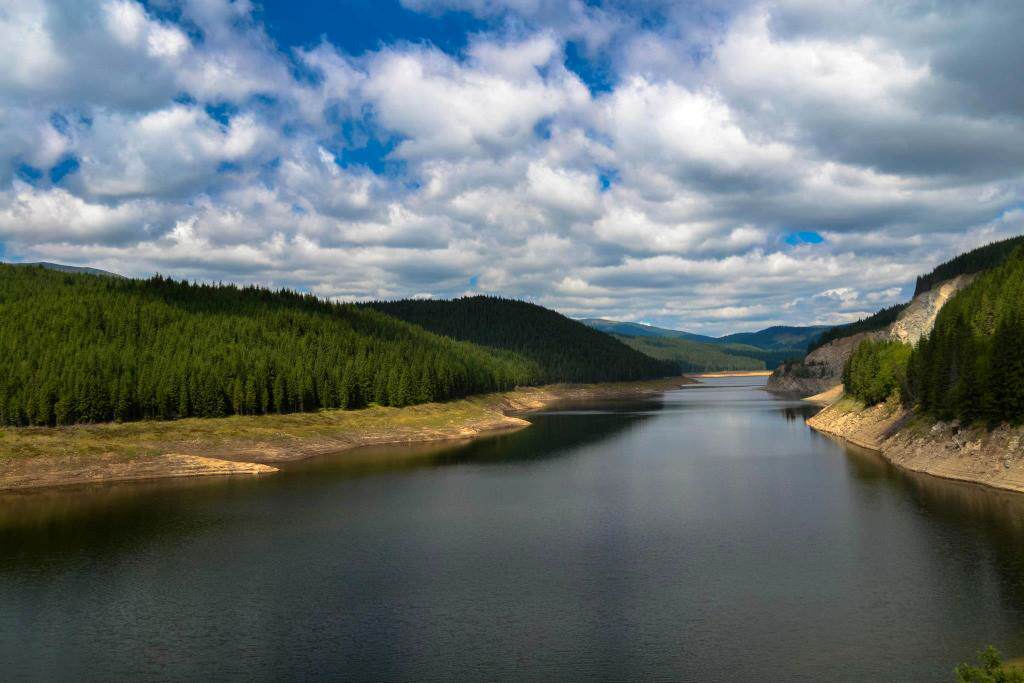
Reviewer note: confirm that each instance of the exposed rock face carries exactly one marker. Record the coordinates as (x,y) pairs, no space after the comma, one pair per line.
(918,318)
(822,368)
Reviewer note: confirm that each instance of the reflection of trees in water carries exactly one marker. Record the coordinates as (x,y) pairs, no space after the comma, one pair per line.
(954,501)
(994,517)
(798,413)
(549,436)
(50,531)
(988,520)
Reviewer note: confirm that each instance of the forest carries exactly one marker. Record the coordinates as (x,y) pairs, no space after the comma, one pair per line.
(877,370)
(692,356)
(566,350)
(971,366)
(973,261)
(86,348)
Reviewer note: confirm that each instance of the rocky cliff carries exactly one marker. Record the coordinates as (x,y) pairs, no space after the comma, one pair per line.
(918,318)
(822,368)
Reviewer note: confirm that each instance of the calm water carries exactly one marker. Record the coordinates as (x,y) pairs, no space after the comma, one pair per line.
(704,536)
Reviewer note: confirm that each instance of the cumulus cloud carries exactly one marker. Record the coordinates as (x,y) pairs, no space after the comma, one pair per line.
(180,137)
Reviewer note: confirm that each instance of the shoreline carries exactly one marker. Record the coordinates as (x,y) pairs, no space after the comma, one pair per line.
(42,458)
(946,450)
(730,373)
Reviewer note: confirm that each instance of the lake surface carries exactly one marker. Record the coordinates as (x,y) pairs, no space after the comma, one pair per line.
(706,535)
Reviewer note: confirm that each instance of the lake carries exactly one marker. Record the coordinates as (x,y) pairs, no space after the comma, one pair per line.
(703,535)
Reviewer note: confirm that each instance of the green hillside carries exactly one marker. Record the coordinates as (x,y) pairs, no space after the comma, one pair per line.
(973,261)
(60,267)
(771,358)
(786,339)
(626,329)
(692,356)
(778,338)
(971,366)
(79,348)
(565,350)
(768,347)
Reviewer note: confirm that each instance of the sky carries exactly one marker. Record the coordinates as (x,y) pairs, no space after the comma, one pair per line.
(709,166)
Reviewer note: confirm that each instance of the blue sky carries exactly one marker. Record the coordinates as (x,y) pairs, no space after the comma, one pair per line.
(357,27)
(712,165)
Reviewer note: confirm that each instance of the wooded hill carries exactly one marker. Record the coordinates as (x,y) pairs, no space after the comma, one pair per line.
(83,348)
(782,338)
(971,366)
(692,356)
(764,349)
(974,261)
(875,321)
(564,349)
(626,329)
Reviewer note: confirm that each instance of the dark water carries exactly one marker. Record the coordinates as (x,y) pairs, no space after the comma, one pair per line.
(704,536)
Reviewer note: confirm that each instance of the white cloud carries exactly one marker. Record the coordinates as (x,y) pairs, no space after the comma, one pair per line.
(665,193)
(57,216)
(165,152)
(490,106)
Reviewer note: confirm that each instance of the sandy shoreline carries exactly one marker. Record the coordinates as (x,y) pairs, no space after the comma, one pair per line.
(731,373)
(46,457)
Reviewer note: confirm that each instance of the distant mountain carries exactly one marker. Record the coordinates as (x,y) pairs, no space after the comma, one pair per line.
(693,356)
(60,267)
(697,352)
(625,329)
(565,349)
(778,338)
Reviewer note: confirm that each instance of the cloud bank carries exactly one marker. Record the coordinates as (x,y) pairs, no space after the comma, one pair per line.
(721,167)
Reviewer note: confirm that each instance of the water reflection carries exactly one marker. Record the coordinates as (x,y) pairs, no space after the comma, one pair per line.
(69,523)
(708,535)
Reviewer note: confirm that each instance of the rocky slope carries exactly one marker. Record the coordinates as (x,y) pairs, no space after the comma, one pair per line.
(822,368)
(918,318)
(943,449)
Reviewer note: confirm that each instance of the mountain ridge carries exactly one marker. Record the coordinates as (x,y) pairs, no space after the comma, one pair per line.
(63,268)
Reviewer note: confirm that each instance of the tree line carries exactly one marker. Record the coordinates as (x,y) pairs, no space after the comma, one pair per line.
(691,356)
(970,367)
(84,348)
(876,321)
(974,261)
(566,350)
